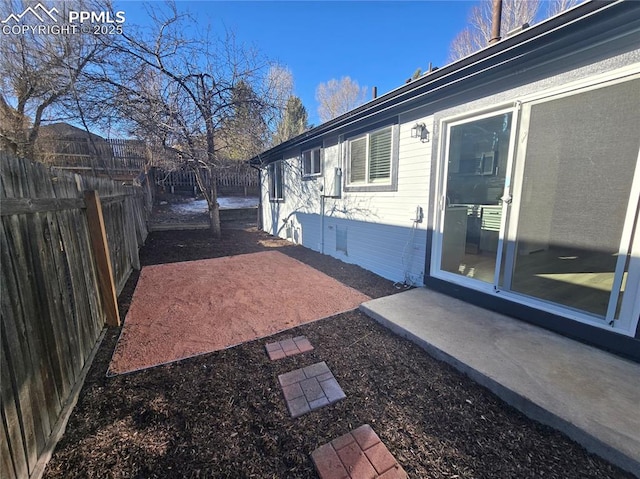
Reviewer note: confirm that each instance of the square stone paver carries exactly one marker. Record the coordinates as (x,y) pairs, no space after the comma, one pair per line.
(288,347)
(358,454)
(309,388)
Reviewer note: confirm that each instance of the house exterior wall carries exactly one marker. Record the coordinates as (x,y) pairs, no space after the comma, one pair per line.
(555,78)
(377,229)
(381,234)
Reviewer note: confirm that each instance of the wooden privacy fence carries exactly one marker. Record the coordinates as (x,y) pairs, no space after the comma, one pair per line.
(234,178)
(112,157)
(53,309)
(239,175)
(179,180)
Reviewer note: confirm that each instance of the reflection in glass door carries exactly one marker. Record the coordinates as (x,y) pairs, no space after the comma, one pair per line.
(478,158)
(575,218)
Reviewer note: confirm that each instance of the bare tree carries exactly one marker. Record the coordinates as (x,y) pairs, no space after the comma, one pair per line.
(476,36)
(515,13)
(557,6)
(464,44)
(182,89)
(339,96)
(39,74)
(13,127)
(280,84)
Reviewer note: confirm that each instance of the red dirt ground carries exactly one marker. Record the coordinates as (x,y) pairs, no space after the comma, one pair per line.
(180,310)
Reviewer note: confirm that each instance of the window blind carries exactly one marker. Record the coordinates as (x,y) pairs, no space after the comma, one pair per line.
(315,165)
(306,163)
(358,160)
(380,155)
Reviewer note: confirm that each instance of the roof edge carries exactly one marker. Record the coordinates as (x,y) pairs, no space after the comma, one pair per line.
(581,12)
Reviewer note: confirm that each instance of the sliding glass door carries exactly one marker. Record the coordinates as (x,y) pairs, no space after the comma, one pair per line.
(576,206)
(478,163)
(550,219)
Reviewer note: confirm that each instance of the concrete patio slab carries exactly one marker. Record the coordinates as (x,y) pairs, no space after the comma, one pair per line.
(589,394)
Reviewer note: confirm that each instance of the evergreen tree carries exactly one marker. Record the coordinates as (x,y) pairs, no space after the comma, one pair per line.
(294,121)
(244,132)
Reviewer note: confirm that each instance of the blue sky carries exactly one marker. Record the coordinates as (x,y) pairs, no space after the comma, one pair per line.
(376,43)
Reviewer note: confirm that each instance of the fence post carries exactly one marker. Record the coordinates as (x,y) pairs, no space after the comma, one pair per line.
(100,249)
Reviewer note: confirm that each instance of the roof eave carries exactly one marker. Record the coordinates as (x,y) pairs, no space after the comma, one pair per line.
(580,13)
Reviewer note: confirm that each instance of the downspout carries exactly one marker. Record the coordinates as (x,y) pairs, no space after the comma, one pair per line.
(322,197)
(259,216)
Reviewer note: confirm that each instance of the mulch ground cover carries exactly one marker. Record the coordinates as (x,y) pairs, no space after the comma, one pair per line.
(222,414)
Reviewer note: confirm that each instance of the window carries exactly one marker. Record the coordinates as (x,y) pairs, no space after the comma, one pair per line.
(372,160)
(276,189)
(311,164)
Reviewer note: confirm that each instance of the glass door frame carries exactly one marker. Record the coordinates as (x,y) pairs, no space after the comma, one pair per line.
(629,311)
(629,245)
(629,316)
(441,203)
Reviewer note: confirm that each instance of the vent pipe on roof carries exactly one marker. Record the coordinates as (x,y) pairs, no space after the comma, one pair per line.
(374,92)
(496,19)
(516,30)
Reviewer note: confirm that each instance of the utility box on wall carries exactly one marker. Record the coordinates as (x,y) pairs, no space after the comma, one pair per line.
(333,184)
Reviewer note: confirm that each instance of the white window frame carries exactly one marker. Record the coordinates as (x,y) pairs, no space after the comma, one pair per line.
(388,184)
(275,174)
(439,207)
(315,153)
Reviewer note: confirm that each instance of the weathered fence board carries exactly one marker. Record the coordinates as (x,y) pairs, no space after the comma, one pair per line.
(17,206)
(233,177)
(102,156)
(100,248)
(13,458)
(18,429)
(16,337)
(51,312)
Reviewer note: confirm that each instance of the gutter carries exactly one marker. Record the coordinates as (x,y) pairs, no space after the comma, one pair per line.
(458,71)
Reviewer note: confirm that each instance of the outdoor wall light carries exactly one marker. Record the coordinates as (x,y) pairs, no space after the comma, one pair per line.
(419,130)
